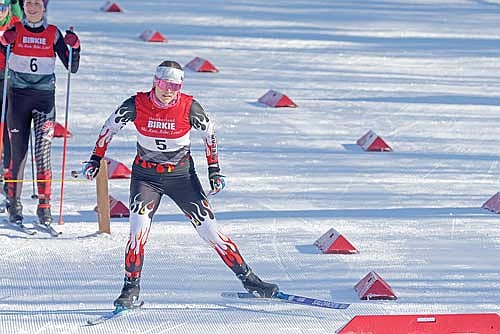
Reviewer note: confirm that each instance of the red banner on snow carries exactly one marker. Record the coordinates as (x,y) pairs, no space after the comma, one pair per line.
(486,323)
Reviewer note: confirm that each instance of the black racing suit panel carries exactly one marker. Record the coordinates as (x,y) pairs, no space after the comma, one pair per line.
(6,142)
(183,186)
(35,106)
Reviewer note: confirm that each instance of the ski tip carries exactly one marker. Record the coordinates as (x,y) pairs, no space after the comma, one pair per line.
(238,295)
(229,294)
(117,312)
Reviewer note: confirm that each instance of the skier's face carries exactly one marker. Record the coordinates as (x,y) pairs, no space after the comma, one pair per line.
(33,10)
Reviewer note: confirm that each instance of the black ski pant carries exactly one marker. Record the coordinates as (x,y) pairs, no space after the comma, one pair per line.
(27,106)
(147,187)
(6,141)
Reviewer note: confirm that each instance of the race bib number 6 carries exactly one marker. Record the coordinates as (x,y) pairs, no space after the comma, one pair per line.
(33,65)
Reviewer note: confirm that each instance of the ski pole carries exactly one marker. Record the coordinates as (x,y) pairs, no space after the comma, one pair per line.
(33,195)
(4,97)
(70,61)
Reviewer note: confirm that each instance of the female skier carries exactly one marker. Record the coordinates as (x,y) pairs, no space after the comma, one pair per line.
(163,119)
(31,99)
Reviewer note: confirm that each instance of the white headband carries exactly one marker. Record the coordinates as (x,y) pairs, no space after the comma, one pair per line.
(169,74)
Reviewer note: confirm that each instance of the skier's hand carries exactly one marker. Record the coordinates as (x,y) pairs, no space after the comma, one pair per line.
(216,179)
(91,168)
(72,39)
(8,37)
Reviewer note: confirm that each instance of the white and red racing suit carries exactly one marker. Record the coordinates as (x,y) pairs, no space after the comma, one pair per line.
(163,166)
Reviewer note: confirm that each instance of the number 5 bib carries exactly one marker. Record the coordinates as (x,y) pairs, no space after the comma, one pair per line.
(162,130)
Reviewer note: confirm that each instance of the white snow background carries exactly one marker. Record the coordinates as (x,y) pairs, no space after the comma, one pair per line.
(423,74)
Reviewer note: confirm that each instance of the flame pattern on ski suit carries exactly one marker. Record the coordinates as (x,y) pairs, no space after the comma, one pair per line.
(140,224)
(203,220)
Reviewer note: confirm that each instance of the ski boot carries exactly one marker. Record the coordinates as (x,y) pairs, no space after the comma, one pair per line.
(253,284)
(15,210)
(43,213)
(129,295)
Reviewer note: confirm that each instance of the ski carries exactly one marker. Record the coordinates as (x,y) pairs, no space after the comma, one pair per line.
(46,228)
(20,227)
(281,296)
(118,312)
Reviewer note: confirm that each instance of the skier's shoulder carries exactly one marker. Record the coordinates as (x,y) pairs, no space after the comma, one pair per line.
(130,99)
(13,26)
(128,104)
(12,21)
(195,109)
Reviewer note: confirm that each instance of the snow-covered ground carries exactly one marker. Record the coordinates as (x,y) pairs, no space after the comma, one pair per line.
(423,74)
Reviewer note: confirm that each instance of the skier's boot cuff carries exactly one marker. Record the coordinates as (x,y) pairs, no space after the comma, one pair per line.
(15,209)
(129,294)
(44,214)
(253,284)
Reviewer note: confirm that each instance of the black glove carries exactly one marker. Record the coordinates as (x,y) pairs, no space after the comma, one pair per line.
(91,167)
(216,179)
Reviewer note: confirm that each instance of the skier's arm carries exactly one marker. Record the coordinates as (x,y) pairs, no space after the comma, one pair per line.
(62,52)
(201,122)
(16,9)
(115,122)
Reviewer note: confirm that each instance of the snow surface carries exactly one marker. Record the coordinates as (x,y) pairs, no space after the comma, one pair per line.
(424,75)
